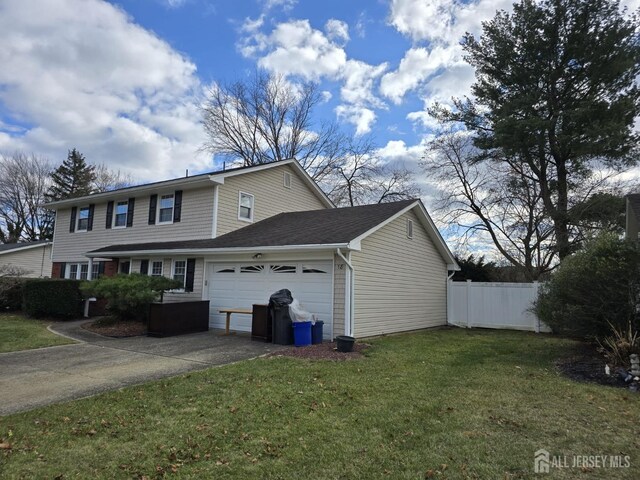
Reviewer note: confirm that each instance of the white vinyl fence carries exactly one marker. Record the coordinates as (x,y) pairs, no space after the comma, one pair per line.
(493,305)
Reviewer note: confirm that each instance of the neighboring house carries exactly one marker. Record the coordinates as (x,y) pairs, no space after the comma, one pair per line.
(235,237)
(633,216)
(32,258)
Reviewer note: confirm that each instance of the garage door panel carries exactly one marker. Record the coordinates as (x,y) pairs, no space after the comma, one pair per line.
(242,285)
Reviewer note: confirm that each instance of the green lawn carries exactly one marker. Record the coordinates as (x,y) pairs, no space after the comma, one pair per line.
(20,333)
(439,404)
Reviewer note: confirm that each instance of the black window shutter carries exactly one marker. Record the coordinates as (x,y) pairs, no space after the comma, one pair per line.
(72,222)
(130,207)
(63,267)
(177,205)
(153,203)
(144,266)
(92,208)
(191,270)
(109,215)
(100,268)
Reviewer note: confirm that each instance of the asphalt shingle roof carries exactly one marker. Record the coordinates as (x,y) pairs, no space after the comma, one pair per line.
(313,227)
(6,247)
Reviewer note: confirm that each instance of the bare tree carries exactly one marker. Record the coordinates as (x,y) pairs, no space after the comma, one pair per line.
(360,177)
(267,119)
(24,182)
(489,198)
(107,179)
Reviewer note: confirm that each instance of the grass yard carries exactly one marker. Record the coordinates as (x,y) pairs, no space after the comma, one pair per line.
(20,333)
(438,404)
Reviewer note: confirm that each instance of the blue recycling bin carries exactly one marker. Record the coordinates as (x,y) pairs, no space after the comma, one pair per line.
(316,332)
(301,334)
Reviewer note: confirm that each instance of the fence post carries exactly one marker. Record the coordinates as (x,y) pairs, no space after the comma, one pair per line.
(468,303)
(536,320)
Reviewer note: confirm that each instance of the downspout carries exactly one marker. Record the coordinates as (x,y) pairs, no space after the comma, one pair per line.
(349,309)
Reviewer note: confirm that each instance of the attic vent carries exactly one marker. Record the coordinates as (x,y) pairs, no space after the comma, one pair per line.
(287,180)
(409,228)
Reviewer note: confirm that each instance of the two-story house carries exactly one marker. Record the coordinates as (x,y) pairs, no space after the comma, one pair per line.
(234,237)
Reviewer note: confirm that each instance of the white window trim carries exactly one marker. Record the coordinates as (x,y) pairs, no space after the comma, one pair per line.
(150,267)
(78,229)
(285,176)
(173,272)
(115,210)
(409,228)
(253,206)
(159,205)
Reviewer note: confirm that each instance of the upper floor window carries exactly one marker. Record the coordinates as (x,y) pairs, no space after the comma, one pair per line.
(245,207)
(287,180)
(83,219)
(409,228)
(120,218)
(165,212)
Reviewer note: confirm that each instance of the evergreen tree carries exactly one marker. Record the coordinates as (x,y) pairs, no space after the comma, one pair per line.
(555,98)
(74,178)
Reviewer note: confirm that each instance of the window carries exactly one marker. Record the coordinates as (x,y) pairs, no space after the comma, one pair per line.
(125,267)
(252,269)
(287,180)
(226,270)
(309,269)
(84,271)
(283,268)
(156,269)
(409,228)
(83,219)
(180,270)
(95,270)
(165,213)
(73,271)
(245,207)
(120,218)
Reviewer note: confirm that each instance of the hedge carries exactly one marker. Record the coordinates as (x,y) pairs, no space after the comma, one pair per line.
(53,298)
(11,291)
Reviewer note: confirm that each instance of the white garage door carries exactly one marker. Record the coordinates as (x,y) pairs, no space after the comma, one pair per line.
(240,285)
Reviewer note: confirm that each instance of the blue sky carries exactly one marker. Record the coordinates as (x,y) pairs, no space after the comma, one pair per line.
(122,81)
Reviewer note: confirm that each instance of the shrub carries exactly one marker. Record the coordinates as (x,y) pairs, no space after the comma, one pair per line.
(52,298)
(128,295)
(594,290)
(618,346)
(11,291)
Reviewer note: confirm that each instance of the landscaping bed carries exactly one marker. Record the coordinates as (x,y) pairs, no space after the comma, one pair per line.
(323,351)
(113,327)
(586,364)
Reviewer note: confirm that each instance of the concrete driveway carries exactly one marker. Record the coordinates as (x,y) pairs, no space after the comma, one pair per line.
(34,378)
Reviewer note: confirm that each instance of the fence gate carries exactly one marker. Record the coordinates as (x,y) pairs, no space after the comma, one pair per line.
(493,305)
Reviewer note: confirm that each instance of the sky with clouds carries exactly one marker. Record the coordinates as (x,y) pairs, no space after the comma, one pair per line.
(121,81)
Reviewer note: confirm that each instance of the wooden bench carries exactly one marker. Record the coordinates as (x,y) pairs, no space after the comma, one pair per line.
(230,311)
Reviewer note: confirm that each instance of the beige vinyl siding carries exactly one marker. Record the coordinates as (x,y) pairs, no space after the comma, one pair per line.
(400,283)
(339,278)
(196,222)
(271,197)
(35,261)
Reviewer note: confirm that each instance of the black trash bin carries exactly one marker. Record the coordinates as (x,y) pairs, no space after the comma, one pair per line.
(280,318)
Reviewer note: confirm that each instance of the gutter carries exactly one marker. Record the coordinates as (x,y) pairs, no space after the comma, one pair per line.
(348,297)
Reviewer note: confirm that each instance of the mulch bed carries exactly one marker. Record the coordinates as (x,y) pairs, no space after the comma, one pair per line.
(323,351)
(110,327)
(586,364)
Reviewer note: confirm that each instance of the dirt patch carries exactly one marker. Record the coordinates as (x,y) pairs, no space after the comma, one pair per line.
(111,327)
(323,351)
(586,364)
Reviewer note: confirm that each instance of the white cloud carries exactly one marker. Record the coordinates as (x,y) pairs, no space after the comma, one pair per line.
(361,117)
(82,74)
(286,5)
(295,48)
(337,30)
(422,19)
